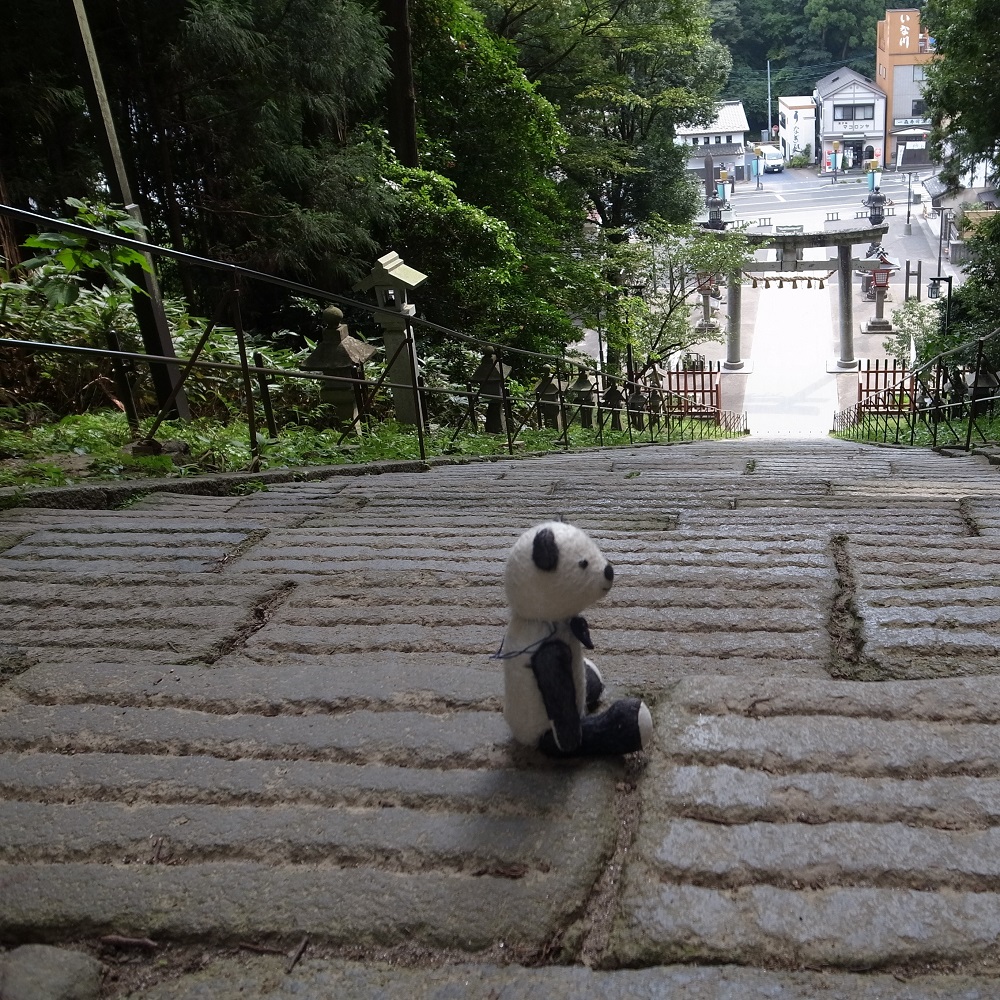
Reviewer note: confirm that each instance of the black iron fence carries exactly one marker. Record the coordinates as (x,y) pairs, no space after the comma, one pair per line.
(950,401)
(500,390)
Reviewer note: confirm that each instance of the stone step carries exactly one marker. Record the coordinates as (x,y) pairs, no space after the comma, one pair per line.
(782,815)
(453,740)
(243,978)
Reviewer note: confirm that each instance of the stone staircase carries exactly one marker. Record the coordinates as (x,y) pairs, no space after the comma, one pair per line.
(242,721)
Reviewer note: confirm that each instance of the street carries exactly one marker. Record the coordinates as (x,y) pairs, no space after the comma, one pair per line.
(801,192)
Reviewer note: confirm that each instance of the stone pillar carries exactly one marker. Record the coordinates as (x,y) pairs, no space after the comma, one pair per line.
(846,359)
(391,279)
(490,376)
(401,368)
(733,347)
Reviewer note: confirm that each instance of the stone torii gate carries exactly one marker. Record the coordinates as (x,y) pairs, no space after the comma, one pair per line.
(789,247)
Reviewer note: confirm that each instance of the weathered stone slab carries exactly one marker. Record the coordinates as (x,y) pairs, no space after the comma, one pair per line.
(197,778)
(289,689)
(840,927)
(391,737)
(724,794)
(398,838)
(793,854)
(959,699)
(784,821)
(266,979)
(233,901)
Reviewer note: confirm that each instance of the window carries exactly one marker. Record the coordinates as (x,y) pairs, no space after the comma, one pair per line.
(853,112)
(718,140)
(729,138)
(919,73)
(695,140)
(919,109)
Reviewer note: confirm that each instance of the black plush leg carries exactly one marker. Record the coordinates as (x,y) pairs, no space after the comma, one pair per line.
(625,727)
(595,685)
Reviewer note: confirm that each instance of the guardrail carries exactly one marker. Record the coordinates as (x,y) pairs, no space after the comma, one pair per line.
(509,390)
(944,403)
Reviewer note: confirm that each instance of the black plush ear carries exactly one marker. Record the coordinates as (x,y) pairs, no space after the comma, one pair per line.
(544,550)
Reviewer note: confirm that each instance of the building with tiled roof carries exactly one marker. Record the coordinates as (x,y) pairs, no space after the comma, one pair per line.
(724,139)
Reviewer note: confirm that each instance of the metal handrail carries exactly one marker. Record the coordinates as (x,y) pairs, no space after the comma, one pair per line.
(728,422)
(873,419)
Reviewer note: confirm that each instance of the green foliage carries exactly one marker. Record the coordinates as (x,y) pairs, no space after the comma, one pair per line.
(623,75)
(660,266)
(804,40)
(973,311)
(803,158)
(919,332)
(73,258)
(962,101)
(486,218)
(87,448)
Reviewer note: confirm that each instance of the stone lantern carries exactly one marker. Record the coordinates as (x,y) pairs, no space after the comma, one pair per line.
(613,400)
(340,354)
(490,377)
(880,288)
(391,280)
(654,401)
(583,393)
(637,407)
(550,392)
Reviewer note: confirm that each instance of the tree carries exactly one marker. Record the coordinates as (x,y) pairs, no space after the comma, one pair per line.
(487,218)
(661,267)
(623,74)
(46,152)
(802,41)
(241,119)
(960,89)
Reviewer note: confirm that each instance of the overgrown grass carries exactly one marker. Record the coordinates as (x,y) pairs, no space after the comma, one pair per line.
(93,446)
(922,433)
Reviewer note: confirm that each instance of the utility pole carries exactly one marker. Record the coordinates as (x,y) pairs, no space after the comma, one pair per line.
(769,100)
(149,307)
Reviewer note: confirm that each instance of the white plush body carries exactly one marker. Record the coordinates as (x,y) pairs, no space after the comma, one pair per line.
(542,604)
(523,707)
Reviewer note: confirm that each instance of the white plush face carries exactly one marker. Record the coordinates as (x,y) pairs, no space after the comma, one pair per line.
(554,571)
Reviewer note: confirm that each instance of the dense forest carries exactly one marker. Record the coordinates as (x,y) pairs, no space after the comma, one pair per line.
(802,42)
(520,152)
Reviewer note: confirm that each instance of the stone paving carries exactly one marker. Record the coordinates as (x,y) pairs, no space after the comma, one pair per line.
(244,720)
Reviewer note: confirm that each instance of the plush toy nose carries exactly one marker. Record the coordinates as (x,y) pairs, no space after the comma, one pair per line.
(609,572)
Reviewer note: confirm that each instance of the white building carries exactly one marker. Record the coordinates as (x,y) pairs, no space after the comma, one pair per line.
(724,139)
(851,113)
(797,126)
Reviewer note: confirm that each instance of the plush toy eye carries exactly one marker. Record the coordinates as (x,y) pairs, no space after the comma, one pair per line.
(583,564)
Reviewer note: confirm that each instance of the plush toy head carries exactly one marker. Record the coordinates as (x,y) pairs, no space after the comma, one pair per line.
(554,571)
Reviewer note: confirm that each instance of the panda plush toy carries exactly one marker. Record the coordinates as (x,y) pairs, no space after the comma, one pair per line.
(551,692)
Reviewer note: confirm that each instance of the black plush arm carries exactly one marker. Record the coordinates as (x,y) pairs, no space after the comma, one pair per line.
(553,668)
(579,627)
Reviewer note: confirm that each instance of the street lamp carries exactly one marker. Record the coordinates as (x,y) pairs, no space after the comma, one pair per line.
(909,197)
(836,156)
(934,292)
(715,205)
(944,231)
(875,203)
